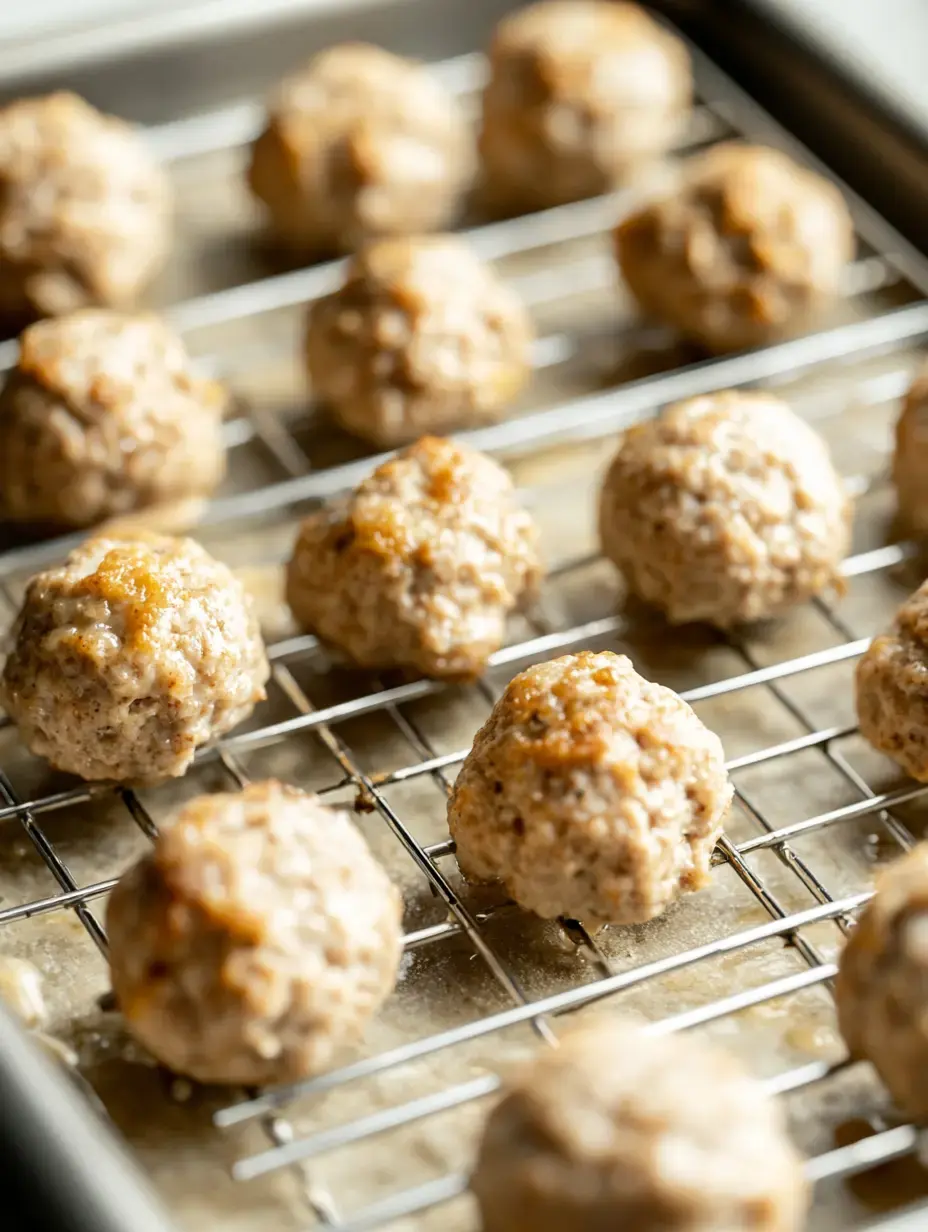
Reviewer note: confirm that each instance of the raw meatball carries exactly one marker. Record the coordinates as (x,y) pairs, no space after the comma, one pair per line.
(102,415)
(360,143)
(590,793)
(726,508)
(620,1129)
(421,337)
(256,939)
(84,212)
(882,985)
(130,656)
(749,248)
(580,93)
(910,462)
(892,701)
(420,566)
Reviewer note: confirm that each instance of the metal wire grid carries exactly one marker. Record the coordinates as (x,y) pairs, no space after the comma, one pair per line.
(594,415)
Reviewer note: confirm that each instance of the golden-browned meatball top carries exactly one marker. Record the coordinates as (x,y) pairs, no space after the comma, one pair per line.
(130,656)
(420,566)
(590,793)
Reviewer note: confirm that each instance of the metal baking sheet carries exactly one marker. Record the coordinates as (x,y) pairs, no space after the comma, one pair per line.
(387,1138)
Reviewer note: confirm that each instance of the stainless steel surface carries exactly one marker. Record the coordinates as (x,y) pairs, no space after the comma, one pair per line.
(387,1136)
(55,36)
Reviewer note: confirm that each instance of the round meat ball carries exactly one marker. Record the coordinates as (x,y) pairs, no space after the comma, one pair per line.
(892,703)
(360,143)
(726,509)
(130,656)
(256,939)
(910,461)
(420,566)
(882,987)
(590,793)
(422,336)
(102,416)
(748,249)
(84,212)
(580,93)
(621,1129)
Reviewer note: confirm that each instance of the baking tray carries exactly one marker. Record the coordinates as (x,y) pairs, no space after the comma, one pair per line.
(385,1138)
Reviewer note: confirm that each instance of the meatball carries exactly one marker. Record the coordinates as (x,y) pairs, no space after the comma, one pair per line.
(420,566)
(256,939)
(882,986)
(101,416)
(84,212)
(748,249)
(620,1129)
(892,703)
(580,93)
(726,508)
(590,793)
(910,461)
(421,337)
(360,143)
(130,656)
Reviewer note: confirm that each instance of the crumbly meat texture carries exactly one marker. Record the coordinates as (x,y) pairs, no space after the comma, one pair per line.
(421,337)
(910,460)
(726,509)
(420,567)
(580,93)
(619,1129)
(84,209)
(882,986)
(130,656)
(590,793)
(101,416)
(892,688)
(360,143)
(749,248)
(256,939)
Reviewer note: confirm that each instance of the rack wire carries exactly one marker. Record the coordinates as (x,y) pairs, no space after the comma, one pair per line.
(864,360)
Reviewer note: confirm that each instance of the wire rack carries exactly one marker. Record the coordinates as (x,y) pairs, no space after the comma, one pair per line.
(813,812)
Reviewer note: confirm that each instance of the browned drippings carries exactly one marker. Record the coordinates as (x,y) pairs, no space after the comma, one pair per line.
(885,1186)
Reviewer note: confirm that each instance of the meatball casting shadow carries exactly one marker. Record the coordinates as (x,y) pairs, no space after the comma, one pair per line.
(747,249)
(418,569)
(103,416)
(725,509)
(590,793)
(130,656)
(85,214)
(252,944)
(420,337)
(359,143)
(580,95)
(620,1129)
